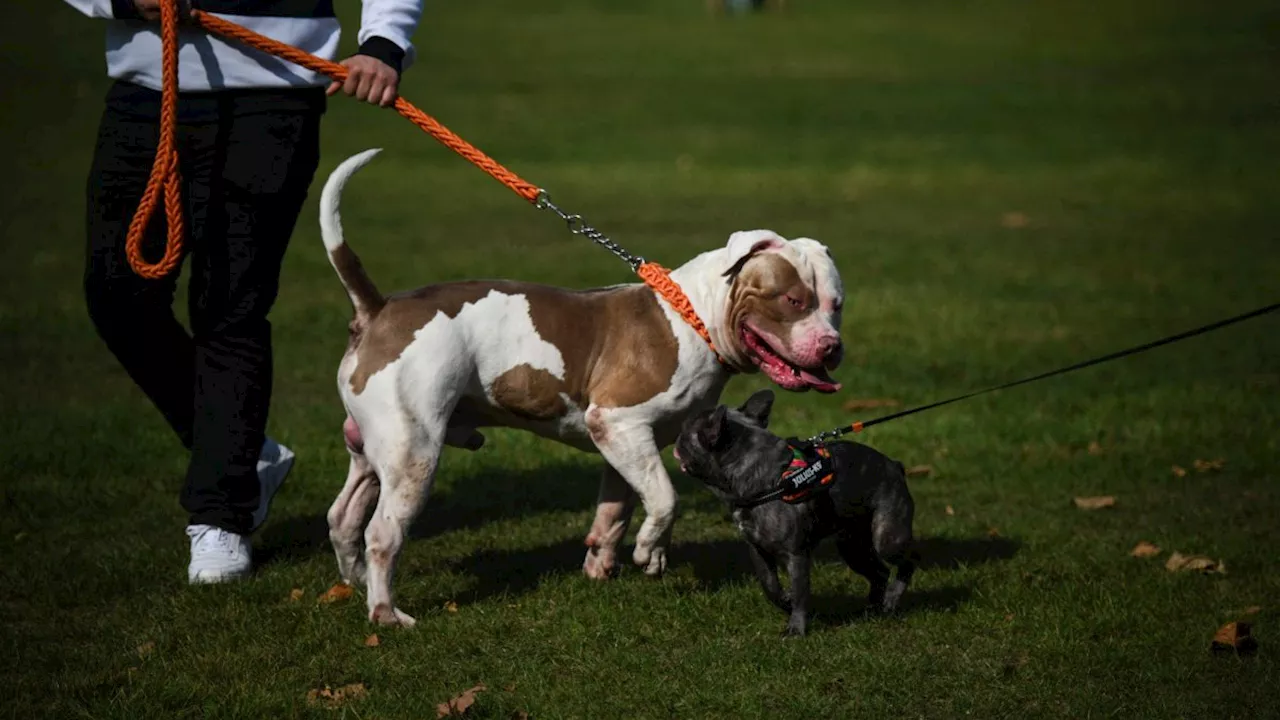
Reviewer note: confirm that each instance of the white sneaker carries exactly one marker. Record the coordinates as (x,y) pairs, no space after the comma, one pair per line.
(217,555)
(273,467)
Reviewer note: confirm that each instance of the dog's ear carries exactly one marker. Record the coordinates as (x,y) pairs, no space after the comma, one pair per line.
(745,243)
(758,406)
(713,430)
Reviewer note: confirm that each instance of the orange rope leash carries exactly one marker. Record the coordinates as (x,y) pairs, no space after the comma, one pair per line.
(165,169)
(165,179)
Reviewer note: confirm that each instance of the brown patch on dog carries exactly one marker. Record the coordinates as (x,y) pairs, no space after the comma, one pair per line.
(368,301)
(617,345)
(761,289)
(530,393)
(391,330)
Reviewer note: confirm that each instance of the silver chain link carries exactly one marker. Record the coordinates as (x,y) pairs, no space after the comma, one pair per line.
(578,226)
(826,435)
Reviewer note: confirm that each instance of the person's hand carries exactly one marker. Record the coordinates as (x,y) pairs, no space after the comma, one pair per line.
(369,80)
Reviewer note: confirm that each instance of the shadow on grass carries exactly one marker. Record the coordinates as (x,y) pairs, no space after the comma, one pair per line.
(471,502)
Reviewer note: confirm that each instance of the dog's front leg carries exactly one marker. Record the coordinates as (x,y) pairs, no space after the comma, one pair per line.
(766,567)
(613,514)
(625,439)
(798,571)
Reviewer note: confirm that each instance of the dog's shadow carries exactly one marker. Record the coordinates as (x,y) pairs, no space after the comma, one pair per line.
(725,562)
(469,502)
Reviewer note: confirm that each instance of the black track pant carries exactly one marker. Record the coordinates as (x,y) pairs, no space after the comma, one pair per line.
(247,159)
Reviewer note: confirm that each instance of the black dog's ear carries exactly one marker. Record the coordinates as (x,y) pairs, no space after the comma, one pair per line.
(757,407)
(712,431)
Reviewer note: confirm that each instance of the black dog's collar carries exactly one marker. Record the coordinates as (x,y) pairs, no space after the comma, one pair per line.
(810,471)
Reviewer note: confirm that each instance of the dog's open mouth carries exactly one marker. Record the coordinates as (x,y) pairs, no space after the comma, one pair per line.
(784,373)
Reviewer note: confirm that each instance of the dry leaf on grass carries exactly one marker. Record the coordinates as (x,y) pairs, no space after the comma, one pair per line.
(950,510)
(919,471)
(341,591)
(1234,637)
(372,641)
(1179,471)
(519,715)
(1252,610)
(1014,220)
(1145,549)
(1198,563)
(1096,502)
(295,594)
(460,704)
(870,404)
(1209,465)
(146,648)
(1094,448)
(451,606)
(331,698)
(993,532)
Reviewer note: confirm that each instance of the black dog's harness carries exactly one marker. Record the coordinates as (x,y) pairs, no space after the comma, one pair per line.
(810,471)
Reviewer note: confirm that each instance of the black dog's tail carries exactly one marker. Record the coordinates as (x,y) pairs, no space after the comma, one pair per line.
(365,298)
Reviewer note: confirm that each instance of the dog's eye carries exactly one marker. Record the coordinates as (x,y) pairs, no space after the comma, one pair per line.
(795,302)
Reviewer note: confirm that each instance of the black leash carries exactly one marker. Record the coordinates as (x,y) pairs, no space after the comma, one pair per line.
(860,426)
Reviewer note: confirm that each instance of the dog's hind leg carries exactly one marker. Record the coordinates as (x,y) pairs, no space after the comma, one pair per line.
(347,517)
(406,478)
(614,505)
(857,552)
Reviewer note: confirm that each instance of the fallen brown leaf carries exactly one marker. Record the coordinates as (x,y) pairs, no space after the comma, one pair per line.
(950,510)
(519,715)
(1179,471)
(1145,549)
(372,641)
(1096,502)
(330,698)
(295,594)
(870,404)
(1198,563)
(1014,220)
(1209,465)
(451,606)
(1094,448)
(146,648)
(460,704)
(1008,617)
(993,532)
(1252,610)
(1234,637)
(340,591)
(919,471)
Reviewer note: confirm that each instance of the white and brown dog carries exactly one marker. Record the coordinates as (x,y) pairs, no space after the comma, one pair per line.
(613,370)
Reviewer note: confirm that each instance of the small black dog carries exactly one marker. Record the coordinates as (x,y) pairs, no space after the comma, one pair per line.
(787,497)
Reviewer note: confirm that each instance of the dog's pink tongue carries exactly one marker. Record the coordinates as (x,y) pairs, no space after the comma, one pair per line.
(821,384)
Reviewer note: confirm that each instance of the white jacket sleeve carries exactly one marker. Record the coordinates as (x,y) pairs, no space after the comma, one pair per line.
(393,20)
(105,8)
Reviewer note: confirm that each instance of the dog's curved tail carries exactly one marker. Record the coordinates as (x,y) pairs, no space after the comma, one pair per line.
(365,298)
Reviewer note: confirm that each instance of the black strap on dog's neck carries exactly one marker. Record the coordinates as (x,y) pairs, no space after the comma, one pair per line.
(803,455)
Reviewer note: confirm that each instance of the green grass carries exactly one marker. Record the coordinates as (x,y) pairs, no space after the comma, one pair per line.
(1139,139)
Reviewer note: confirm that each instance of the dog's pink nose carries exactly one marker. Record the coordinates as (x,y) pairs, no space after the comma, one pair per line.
(830,345)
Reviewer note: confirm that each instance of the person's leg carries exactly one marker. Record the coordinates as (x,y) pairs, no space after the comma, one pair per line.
(258,172)
(134,316)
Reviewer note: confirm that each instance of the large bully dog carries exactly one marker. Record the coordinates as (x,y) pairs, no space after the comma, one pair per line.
(613,370)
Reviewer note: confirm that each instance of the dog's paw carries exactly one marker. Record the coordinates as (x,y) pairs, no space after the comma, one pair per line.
(388,616)
(599,565)
(793,631)
(654,562)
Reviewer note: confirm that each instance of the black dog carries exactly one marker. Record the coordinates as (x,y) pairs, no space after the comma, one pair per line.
(788,496)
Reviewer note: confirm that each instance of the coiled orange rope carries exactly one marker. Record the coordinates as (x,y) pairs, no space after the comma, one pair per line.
(165,178)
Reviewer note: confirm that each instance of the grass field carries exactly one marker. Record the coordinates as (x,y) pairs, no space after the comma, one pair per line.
(1007,186)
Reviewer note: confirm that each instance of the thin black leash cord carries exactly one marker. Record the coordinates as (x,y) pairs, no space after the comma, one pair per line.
(860,426)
